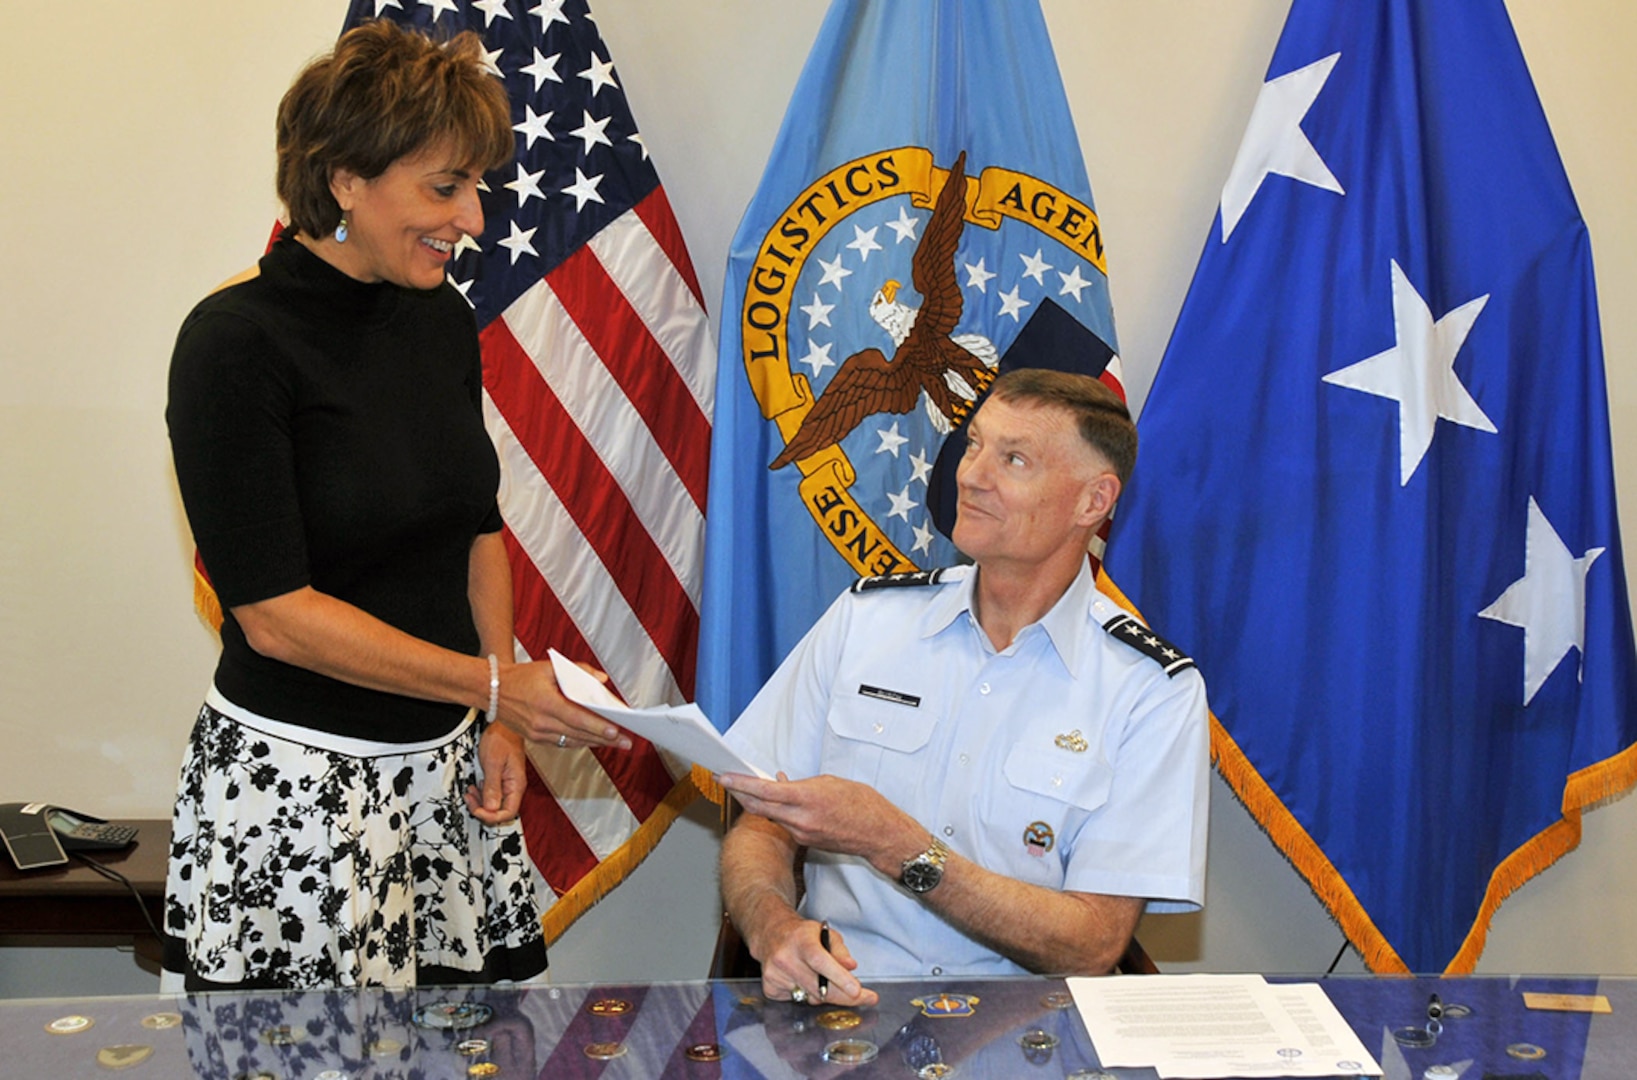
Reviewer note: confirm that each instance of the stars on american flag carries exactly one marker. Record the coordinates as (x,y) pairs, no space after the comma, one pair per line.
(580,161)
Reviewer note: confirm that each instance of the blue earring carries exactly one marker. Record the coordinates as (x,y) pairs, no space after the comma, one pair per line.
(341,232)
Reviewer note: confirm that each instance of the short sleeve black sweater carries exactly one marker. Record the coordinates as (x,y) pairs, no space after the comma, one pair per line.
(328,432)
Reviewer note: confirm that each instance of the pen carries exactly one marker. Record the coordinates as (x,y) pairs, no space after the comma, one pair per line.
(824,940)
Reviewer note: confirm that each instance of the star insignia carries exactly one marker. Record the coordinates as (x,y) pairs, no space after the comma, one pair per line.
(599,74)
(1072,282)
(818,356)
(818,312)
(864,242)
(902,504)
(1419,372)
(1275,143)
(1035,267)
(543,69)
(1011,303)
(492,10)
(834,272)
(923,467)
(534,127)
(890,440)
(584,189)
(549,11)
(977,277)
(519,243)
(591,132)
(526,185)
(1548,601)
(905,226)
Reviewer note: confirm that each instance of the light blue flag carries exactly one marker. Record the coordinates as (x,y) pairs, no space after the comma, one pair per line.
(861,317)
(1374,497)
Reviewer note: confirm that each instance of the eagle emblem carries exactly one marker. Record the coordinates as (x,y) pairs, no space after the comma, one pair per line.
(929,361)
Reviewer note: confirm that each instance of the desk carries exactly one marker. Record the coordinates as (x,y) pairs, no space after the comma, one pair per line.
(552,1032)
(76,900)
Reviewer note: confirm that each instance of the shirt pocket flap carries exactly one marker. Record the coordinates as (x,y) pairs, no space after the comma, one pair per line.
(1078,780)
(885,724)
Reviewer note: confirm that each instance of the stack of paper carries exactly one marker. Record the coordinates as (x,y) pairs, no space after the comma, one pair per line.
(681,729)
(1202,1027)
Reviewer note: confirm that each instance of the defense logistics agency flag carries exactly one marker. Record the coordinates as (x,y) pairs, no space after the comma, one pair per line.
(597,391)
(925,198)
(1374,496)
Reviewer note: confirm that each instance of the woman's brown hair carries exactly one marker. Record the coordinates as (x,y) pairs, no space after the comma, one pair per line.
(385,93)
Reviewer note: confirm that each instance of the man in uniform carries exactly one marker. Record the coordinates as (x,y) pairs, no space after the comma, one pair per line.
(996,768)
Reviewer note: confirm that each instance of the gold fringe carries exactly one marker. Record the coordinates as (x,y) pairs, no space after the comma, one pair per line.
(1289,836)
(205,601)
(614,869)
(705,781)
(1583,790)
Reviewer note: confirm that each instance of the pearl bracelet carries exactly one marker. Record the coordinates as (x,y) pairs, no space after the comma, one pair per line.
(494,686)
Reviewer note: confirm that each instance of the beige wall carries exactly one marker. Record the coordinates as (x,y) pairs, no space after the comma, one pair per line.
(136,143)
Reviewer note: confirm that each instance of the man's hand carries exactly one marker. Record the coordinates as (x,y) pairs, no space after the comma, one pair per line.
(794,959)
(828,813)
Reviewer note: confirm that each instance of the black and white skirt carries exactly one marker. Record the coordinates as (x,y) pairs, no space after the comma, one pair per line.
(301,859)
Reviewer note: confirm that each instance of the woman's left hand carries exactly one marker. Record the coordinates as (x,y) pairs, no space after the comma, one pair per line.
(501,759)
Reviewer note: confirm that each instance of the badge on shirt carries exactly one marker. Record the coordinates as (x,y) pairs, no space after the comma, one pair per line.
(881,693)
(1038,839)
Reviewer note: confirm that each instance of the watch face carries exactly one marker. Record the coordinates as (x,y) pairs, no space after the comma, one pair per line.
(920,877)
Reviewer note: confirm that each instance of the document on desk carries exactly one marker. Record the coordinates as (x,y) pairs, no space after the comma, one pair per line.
(1201,1027)
(681,729)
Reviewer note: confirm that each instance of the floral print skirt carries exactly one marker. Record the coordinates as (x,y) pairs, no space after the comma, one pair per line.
(301,860)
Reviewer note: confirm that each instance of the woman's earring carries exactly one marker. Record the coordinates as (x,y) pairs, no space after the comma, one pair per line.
(341,231)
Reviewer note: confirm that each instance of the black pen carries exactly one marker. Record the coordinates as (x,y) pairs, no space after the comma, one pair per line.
(824,940)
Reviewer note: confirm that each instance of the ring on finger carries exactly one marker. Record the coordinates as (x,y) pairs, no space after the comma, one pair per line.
(798,995)
(562,740)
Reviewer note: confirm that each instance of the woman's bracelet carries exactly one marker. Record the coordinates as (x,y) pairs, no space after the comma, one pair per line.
(494,686)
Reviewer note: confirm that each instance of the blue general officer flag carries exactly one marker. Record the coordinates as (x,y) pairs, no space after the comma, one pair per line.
(1374,496)
(924,199)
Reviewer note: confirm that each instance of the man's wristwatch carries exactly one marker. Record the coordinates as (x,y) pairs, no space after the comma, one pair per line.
(921,874)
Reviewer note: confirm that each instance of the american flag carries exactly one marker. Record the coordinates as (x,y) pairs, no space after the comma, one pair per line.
(598,373)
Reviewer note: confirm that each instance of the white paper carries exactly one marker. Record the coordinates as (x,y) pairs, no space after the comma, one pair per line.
(681,729)
(1199,1027)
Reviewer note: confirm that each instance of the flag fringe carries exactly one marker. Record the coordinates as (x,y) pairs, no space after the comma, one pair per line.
(1295,843)
(1585,789)
(705,781)
(205,600)
(1289,836)
(585,893)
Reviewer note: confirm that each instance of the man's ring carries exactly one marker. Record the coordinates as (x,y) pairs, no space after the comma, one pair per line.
(562,740)
(798,995)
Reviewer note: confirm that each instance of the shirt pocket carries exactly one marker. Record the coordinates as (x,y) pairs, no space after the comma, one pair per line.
(1057,789)
(868,735)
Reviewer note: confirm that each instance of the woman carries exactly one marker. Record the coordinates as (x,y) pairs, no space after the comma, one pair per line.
(344,817)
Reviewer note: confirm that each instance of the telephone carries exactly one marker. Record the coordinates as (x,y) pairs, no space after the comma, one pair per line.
(37,834)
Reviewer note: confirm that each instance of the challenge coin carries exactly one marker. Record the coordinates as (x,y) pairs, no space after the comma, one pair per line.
(162,1021)
(839,1020)
(452,1015)
(604,1051)
(123,1057)
(483,1068)
(703,1052)
(281,1035)
(1058,999)
(472,1047)
(1526,1051)
(70,1025)
(610,1007)
(850,1051)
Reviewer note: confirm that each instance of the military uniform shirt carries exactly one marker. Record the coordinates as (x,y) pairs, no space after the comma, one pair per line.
(1069,760)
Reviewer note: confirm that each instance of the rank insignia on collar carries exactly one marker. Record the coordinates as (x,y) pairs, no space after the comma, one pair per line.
(947,1005)
(898,581)
(1073,742)
(1130,630)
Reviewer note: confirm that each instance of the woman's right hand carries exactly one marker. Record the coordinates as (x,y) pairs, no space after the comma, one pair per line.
(533,705)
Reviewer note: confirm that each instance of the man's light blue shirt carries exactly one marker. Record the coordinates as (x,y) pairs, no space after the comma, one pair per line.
(1068,760)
